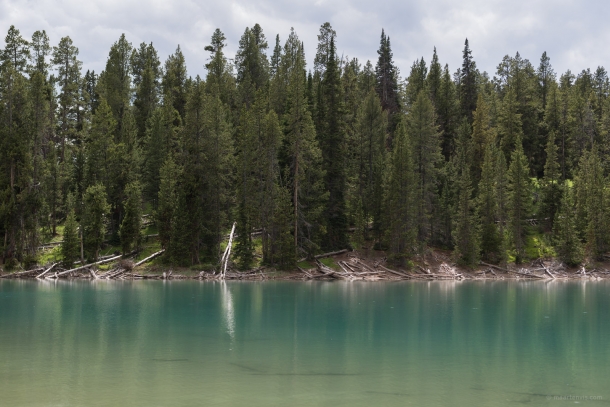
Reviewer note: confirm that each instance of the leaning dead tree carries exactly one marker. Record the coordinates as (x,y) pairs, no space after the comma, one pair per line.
(227,254)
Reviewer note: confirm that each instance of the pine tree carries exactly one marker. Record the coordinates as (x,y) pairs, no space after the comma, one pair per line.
(425,144)
(487,202)
(132,220)
(303,158)
(174,82)
(482,136)
(95,211)
(591,202)
(551,187)
(510,128)
(70,246)
(164,215)
(400,200)
(567,243)
(387,80)
(370,154)
(519,199)
(68,66)
(465,233)
(447,109)
(468,84)
(332,141)
(115,82)
(146,69)
(17,50)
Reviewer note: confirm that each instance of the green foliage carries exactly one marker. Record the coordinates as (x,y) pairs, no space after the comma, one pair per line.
(70,246)
(519,199)
(95,212)
(132,220)
(567,243)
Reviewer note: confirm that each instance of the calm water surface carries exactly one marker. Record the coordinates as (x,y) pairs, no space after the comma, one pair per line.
(304,344)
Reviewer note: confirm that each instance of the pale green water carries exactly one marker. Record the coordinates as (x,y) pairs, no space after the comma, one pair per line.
(303,344)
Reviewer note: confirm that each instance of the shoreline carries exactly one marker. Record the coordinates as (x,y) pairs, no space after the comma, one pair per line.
(340,266)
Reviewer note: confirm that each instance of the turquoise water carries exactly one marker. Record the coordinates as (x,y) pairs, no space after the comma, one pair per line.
(304,344)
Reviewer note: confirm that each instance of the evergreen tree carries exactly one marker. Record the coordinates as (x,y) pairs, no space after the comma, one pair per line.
(591,203)
(551,187)
(174,82)
(387,80)
(164,214)
(567,243)
(468,84)
(132,220)
(487,205)
(482,136)
(400,200)
(68,66)
(146,69)
(332,141)
(115,82)
(96,209)
(16,51)
(371,158)
(425,144)
(303,159)
(70,246)
(519,199)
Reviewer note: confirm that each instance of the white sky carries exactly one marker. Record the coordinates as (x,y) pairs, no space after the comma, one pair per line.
(574,33)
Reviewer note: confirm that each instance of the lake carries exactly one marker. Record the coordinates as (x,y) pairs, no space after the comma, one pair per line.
(190,343)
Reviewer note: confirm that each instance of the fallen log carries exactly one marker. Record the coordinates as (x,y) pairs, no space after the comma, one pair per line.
(304,272)
(494,266)
(152,256)
(22,273)
(398,273)
(47,270)
(321,256)
(88,265)
(526,275)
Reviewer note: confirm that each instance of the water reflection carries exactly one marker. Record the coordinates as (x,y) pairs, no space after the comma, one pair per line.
(421,343)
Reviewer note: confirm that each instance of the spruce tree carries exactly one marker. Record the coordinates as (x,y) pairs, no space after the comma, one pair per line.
(400,200)
(551,187)
(387,80)
(468,84)
(132,219)
(567,243)
(303,159)
(95,212)
(465,233)
(167,200)
(519,199)
(425,144)
(487,205)
(370,154)
(332,140)
(70,246)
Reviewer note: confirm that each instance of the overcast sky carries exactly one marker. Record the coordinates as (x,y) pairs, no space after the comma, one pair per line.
(575,34)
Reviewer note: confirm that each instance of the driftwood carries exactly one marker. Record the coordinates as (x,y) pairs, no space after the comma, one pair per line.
(526,274)
(46,271)
(227,254)
(88,265)
(22,273)
(149,258)
(494,266)
(398,273)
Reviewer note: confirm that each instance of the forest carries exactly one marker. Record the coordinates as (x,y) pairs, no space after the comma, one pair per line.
(304,160)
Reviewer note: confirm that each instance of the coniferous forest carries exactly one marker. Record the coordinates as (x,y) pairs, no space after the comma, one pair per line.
(499,167)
